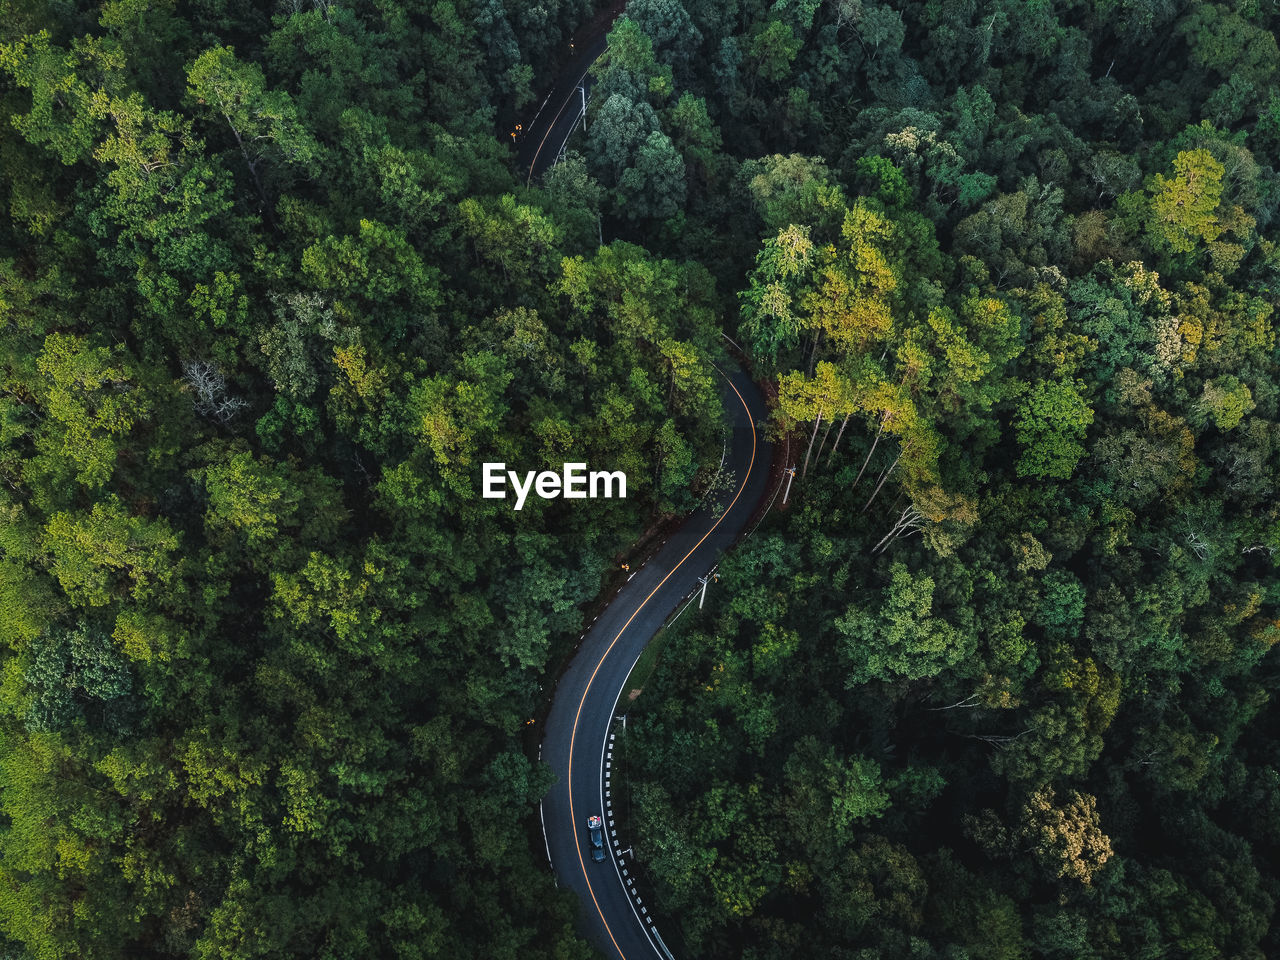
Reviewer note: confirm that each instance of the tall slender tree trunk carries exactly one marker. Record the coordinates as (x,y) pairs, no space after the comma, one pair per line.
(263,204)
(870,453)
(883,478)
(813,351)
(825,433)
(968,703)
(843,423)
(908,523)
(810,448)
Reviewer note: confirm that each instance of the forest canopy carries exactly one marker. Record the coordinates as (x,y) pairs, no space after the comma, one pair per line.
(998,681)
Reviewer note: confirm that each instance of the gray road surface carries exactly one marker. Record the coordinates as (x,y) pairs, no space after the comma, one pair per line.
(577,739)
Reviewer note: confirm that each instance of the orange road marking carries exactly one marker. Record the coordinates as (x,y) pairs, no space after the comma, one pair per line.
(551,126)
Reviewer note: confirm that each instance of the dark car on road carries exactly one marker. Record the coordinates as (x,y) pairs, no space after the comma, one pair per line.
(595,829)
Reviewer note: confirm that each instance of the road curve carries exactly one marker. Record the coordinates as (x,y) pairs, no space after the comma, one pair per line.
(544,133)
(577,737)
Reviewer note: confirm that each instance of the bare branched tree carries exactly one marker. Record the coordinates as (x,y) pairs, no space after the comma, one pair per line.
(908,523)
(210,389)
(997,740)
(968,703)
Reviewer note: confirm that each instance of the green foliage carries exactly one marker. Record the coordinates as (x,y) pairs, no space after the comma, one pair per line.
(618,130)
(268,296)
(773,46)
(654,186)
(101,555)
(77,675)
(899,638)
(1062,607)
(932,656)
(1225,401)
(792,190)
(261,121)
(1184,206)
(994,683)
(887,181)
(1051,422)
(89,406)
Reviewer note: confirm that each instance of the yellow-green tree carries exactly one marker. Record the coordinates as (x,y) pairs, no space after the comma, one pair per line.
(828,394)
(1184,206)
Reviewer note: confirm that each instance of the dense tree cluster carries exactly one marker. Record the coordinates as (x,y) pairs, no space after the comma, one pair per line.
(999,682)
(268,298)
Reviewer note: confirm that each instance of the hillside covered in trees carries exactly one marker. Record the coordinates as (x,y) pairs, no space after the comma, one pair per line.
(1000,683)
(997,683)
(269,296)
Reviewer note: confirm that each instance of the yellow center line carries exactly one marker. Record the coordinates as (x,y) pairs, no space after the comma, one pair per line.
(543,142)
(574,733)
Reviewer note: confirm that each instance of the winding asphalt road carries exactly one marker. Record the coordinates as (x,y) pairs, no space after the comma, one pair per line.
(578,739)
(548,130)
